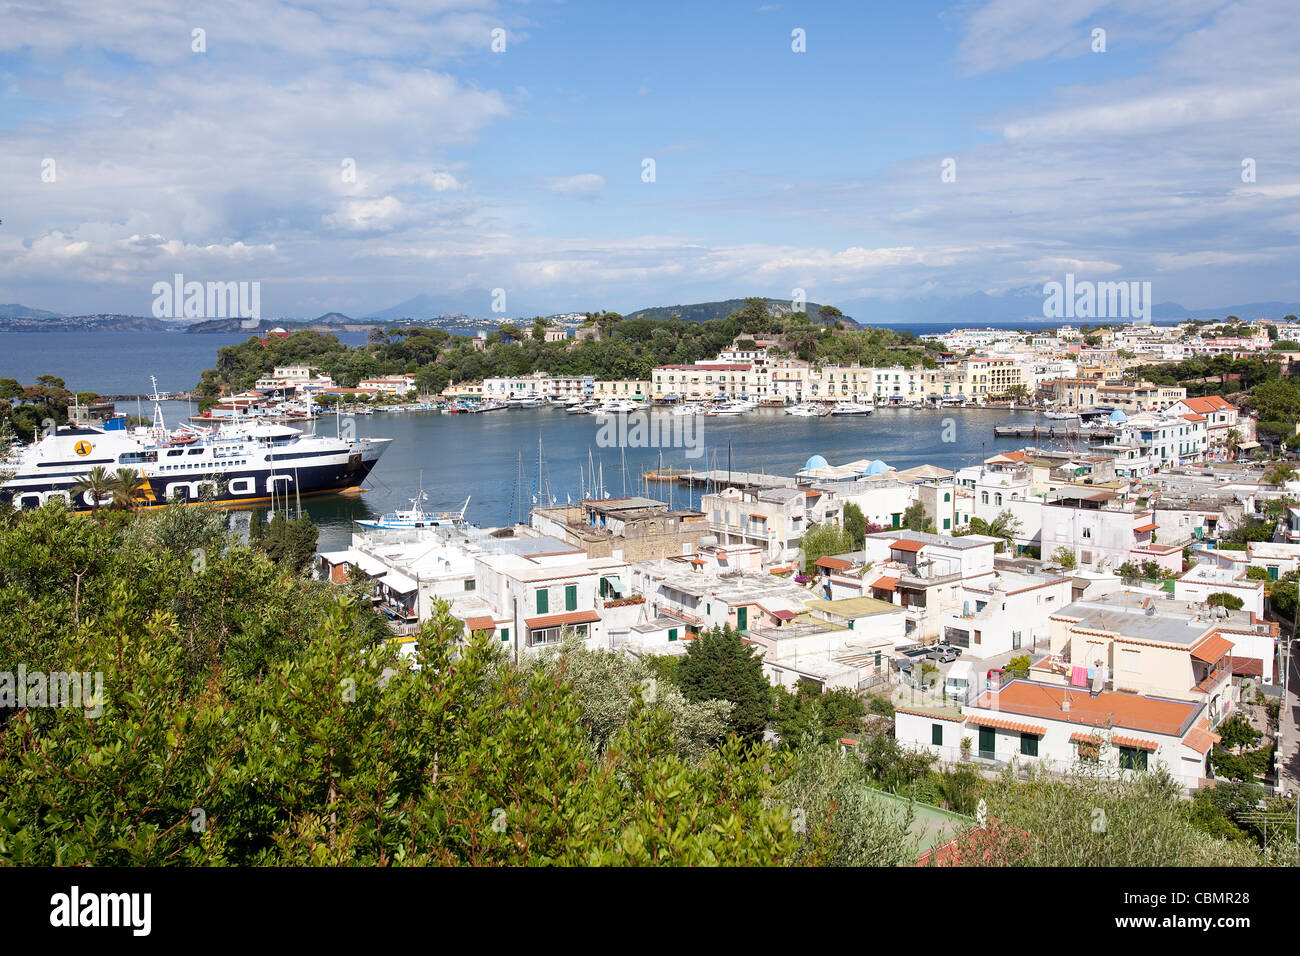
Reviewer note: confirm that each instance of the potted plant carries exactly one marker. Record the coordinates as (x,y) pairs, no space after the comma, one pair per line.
(965,748)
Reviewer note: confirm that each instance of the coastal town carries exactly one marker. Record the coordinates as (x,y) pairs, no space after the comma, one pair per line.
(1103,598)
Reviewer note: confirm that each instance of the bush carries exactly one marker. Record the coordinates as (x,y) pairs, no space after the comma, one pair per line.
(1224,599)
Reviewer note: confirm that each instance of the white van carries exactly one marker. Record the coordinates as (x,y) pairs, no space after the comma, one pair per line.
(960,681)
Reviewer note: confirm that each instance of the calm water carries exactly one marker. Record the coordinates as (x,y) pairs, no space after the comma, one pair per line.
(118,363)
(494,457)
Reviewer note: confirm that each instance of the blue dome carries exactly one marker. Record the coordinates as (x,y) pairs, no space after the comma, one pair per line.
(816,461)
(1117,417)
(876,468)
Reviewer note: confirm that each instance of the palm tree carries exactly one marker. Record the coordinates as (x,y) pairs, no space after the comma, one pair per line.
(1233,440)
(98,484)
(127,486)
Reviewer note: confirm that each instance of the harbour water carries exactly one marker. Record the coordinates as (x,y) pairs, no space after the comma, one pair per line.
(494,458)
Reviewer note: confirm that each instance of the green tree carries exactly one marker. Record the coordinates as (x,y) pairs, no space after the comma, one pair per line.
(821,540)
(855,525)
(720,666)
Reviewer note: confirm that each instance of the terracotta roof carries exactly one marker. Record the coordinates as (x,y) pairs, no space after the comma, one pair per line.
(886,583)
(1146,527)
(1201,740)
(923,713)
(1212,649)
(559,620)
(1193,418)
(835,564)
(1210,403)
(980,720)
(1137,742)
(907,546)
(1027,698)
(1078,737)
(484,623)
(785,615)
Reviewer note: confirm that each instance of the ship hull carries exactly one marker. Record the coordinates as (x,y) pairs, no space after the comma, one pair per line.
(235,487)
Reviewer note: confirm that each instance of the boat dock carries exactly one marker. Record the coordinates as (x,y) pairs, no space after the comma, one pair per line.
(1064,432)
(720,477)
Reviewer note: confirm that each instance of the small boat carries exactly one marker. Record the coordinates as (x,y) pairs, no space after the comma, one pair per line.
(805,410)
(415,517)
(618,406)
(1060,416)
(851,408)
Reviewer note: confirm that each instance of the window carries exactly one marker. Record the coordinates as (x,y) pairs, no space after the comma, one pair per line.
(543,600)
(672,633)
(1015,640)
(984,497)
(936,734)
(570,597)
(1029,745)
(1089,749)
(505,633)
(469,584)
(1132,758)
(1087,532)
(947,496)
(997,498)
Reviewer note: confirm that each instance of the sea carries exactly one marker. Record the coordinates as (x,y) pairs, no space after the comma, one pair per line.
(506,461)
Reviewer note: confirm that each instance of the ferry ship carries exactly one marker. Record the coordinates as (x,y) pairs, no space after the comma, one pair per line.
(241,463)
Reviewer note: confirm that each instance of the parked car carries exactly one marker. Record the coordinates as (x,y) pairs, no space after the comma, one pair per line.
(942,654)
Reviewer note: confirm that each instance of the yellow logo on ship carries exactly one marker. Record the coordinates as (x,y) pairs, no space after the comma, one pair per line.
(83,448)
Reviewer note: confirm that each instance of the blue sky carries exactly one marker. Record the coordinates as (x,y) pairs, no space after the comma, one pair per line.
(522,170)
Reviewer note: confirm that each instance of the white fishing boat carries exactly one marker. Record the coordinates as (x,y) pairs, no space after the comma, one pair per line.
(416,517)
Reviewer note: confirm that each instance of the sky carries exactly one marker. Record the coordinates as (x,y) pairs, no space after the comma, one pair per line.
(349,155)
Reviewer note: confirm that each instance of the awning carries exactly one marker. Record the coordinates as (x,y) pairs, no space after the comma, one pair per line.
(399,582)
(1000,723)
(1200,740)
(1137,742)
(1247,445)
(907,546)
(1247,667)
(560,620)
(484,623)
(1212,649)
(1146,527)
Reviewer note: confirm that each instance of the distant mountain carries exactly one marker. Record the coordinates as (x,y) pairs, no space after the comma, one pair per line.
(105,322)
(332,318)
(15,311)
(1251,310)
(704,311)
(1025,305)
(425,306)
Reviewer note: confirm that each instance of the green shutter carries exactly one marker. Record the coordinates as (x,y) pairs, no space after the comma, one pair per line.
(988,740)
(505,633)
(543,601)
(571,597)
(742,618)
(672,633)
(936,734)
(1029,745)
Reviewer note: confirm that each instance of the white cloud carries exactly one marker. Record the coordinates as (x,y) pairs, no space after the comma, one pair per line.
(581,186)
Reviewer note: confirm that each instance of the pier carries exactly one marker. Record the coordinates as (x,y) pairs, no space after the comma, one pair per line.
(1062,432)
